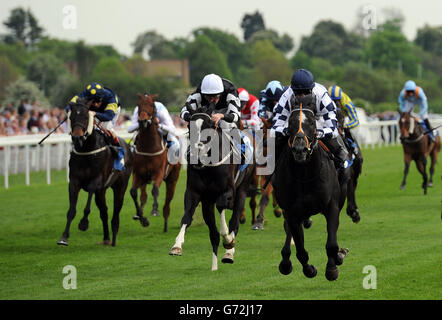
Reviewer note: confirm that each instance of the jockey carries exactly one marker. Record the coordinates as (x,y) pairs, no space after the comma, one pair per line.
(166,128)
(302,83)
(106,105)
(411,95)
(249,110)
(344,102)
(220,92)
(269,97)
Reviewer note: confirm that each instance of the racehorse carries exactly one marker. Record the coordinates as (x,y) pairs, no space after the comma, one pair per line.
(266,188)
(90,169)
(306,183)
(221,183)
(354,171)
(417,146)
(151,163)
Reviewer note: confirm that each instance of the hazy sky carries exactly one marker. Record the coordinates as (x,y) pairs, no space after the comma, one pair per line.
(118,22)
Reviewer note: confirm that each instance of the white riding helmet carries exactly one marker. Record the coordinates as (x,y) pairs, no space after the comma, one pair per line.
(243,94)
(212,84)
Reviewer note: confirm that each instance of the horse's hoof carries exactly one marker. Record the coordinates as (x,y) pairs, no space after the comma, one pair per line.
(136,217)
(144,222)
(230,245)
(83,225)
(285,268)
(430,184)
(310,271)
(176,251)
(402,187)
(307,223)
(63,242)
(258,226)
(242,219)
(104,243)
(354,215)
(155,213)
(227,258)
(277,213)
(332,273)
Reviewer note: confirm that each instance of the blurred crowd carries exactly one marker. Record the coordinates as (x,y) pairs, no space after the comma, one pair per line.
(27,118)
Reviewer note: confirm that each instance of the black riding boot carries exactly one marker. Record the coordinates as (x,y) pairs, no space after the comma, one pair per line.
(337,147)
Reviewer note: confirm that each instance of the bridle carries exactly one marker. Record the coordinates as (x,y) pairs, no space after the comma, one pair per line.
(301,134)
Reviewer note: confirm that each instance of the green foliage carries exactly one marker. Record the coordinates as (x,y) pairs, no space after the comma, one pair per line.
(430,39)
(8,74)
(283,43)
(268,63)
(45,70)
(205,57)
(24,89)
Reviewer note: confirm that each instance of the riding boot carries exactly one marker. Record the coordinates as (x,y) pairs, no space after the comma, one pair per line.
(429,130)
(118,153)
(339,151)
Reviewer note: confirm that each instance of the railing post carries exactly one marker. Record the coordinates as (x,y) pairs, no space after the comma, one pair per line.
(27,165)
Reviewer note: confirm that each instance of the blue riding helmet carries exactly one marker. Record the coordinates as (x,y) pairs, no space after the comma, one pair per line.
(95,91)
(302,79)
(274,90)
(410,85)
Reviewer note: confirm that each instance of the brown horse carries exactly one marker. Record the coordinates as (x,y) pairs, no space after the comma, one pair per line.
(266,189)
(417,146)
(150,162)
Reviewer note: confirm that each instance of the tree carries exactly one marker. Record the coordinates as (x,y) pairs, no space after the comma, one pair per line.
(205,57)
(252,23)
(268,64)
(46,70)
(329,40)
(430,39)
(389,49)
(152,45)
(236,53)
(24,89)
(283,43)
(8,74)
(23,28)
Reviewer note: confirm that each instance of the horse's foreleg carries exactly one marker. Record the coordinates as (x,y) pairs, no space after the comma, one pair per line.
(155,194)
(297,232)
(276,209)
(74,189)
(118,204)
(421,165)
(208,209)
(191,201)
(139,207)
(84,222)
(285,266)
(335,256)
(100,201)
(263,202)
(170,191)
(228,238)
(407,160)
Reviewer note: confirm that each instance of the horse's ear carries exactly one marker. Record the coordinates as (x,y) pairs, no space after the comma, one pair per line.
(139,95)
(154,97)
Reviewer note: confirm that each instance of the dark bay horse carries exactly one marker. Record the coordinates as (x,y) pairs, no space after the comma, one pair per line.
(90,166)
(417,146)
(217,183)
(306,183)
(354,171)
(150,162)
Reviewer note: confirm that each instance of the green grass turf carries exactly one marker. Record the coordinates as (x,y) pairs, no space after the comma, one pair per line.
(400,233)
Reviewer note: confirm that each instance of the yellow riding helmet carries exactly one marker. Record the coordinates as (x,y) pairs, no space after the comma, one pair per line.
(335,92)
